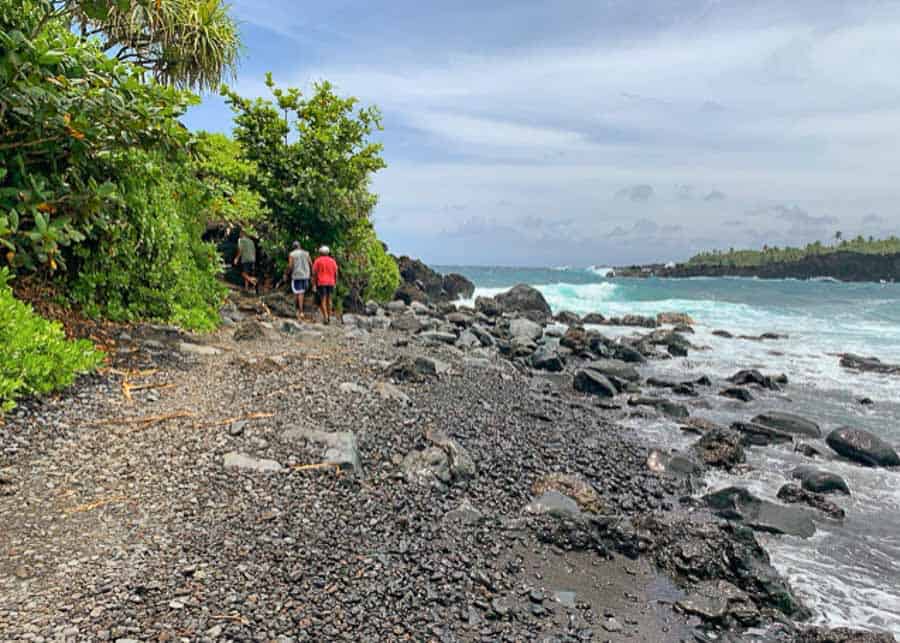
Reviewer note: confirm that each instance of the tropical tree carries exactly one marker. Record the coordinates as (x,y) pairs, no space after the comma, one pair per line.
(314,158)
(187,43)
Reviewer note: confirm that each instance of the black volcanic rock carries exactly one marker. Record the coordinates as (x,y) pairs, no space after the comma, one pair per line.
(421,283)
(523,299)
(863,447)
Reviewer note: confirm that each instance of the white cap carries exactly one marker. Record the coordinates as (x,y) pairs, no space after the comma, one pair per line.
(324,250)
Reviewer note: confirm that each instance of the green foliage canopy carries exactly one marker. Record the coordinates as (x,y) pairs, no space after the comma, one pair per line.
(220,165)
(66,112)
(187,43)
(96,176)
(315,158)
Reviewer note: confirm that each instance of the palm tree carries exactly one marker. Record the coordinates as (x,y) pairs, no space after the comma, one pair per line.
(837,236)
(186,43)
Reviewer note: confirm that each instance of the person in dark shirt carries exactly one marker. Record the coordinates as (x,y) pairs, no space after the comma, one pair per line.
(246,255)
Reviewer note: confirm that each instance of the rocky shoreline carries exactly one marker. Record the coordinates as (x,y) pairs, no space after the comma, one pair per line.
(421,472)
(841,266)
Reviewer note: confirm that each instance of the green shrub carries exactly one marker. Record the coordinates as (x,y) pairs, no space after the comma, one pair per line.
(35,356)
(382,272)
(152,263)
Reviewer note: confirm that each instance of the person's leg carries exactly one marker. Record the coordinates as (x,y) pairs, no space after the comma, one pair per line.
(322,300)
(299,298)
(328,308)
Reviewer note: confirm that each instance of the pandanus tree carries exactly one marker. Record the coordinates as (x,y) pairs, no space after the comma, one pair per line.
(192,44)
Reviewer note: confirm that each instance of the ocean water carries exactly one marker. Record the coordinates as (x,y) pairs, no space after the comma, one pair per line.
(849,573)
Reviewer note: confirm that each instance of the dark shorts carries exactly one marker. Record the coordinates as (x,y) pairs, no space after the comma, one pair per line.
(299,286)
(326,291)
(248,268)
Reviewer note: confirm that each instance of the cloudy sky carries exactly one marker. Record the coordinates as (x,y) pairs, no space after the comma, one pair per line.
(528,132)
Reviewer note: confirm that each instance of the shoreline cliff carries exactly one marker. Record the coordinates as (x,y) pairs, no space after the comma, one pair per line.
(843,266)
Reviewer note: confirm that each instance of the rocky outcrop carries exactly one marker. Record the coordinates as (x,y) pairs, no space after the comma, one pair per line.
(593,383)
(792,494)
(421,283)
(818,481)
(863,447)
(694,551)
(845,266)
(789,423)
(666,407)
(720,447)
(868,365)
(736,503)
(523,299)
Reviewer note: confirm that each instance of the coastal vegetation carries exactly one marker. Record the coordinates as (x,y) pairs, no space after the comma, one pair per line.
(105,196)
(773,254)
(35,356)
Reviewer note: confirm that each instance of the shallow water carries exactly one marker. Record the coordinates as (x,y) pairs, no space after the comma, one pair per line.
(849,573)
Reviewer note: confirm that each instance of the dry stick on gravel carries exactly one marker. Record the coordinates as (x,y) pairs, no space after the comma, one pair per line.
(237,418)
(311,467)
(128,388)
(147,420)
(236,618)
(94,505)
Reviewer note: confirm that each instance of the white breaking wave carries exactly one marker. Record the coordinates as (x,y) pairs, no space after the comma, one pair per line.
(600,271)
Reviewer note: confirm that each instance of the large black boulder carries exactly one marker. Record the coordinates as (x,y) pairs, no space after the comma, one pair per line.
(421,283)
(523,299)
(792,495)
(615,368)
(819,481)
(672,409)
(863,447)
(587,381)
(736,503)
(752,376)
(789,423)
(758,435)
(457,287)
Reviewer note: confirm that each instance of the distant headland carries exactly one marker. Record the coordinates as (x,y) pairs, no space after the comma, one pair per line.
(858,259)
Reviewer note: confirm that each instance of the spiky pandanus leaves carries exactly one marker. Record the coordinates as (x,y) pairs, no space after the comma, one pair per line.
(187,43)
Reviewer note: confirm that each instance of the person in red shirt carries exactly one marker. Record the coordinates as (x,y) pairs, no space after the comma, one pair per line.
(325,272)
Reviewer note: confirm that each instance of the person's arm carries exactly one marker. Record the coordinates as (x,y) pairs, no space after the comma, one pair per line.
(238,255)
(290,266)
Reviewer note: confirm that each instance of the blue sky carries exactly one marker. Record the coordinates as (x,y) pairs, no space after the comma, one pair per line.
(603,132)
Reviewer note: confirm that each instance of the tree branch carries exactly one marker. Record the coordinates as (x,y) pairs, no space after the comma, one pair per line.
(39,141)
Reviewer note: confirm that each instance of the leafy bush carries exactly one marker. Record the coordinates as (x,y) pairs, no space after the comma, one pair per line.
(68,109)
(368,272)
(382,271)
(97,184)
(35,356)
(152,263)
(219,164)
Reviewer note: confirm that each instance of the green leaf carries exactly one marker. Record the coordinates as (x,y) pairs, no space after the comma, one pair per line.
(95,9)
(106,190)
(51,57)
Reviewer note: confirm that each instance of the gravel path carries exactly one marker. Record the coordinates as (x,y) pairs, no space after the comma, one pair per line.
(120,529)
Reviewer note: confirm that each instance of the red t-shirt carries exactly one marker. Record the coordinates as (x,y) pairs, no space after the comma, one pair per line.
(325,269)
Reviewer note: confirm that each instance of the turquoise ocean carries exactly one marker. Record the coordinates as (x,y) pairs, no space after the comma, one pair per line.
(849,572)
